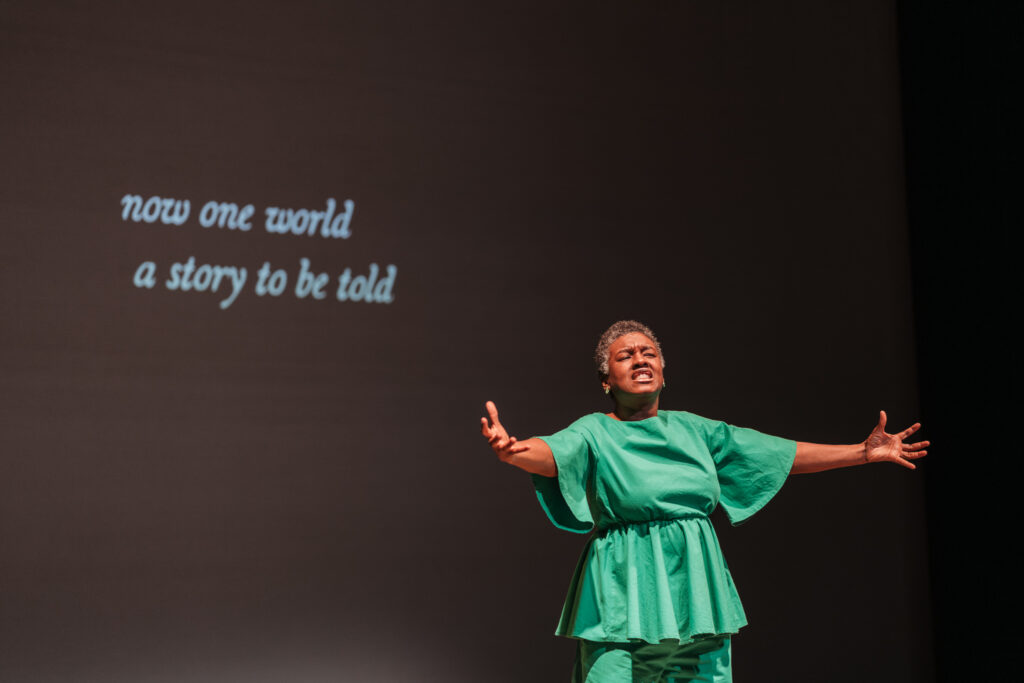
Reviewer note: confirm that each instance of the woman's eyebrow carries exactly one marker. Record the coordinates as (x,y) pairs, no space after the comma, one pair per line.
(631,349)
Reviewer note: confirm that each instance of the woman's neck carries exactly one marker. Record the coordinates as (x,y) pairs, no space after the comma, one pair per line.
(632,412)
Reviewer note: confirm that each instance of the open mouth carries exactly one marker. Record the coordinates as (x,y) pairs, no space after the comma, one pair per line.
(643,374)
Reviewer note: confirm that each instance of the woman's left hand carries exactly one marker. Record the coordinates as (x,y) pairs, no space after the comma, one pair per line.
(883,447)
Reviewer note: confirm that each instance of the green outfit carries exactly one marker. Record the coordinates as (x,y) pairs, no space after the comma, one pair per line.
(703,660)
(653,569)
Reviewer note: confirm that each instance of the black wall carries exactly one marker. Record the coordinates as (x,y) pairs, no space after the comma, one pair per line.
(958,65)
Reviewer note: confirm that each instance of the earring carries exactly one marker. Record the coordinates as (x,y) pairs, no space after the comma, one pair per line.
(607,389)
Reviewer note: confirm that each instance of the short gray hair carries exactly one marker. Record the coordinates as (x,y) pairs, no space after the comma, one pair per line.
(617,330)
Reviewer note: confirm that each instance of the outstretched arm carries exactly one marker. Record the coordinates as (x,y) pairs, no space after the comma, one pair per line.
(532,455)
(878,447)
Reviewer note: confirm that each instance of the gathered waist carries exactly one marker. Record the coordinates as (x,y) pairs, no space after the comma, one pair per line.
(616,526)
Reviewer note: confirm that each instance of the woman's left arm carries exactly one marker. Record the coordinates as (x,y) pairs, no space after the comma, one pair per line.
(878,447)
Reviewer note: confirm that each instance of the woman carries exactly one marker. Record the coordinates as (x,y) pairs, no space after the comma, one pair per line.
(652,598)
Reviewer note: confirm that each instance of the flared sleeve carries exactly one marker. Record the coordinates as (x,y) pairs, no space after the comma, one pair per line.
(564,496)
(752,467)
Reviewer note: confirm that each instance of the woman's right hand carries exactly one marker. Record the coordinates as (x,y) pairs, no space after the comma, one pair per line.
(504,445)
(533,455)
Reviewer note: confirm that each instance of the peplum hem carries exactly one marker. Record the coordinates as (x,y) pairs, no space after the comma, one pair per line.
(652,581)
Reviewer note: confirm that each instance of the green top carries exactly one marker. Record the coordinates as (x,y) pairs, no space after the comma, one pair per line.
(653,570)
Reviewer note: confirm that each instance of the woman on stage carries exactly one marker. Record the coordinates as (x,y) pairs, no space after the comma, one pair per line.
(651,599)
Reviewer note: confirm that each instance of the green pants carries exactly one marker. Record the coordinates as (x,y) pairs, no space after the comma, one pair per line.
(669,662)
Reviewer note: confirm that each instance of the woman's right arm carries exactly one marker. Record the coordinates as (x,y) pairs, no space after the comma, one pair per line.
(533,455)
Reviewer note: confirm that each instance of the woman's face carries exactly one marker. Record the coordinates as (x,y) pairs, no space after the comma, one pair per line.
(634,366)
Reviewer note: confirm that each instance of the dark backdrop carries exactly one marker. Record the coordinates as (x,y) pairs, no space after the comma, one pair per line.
(295,489)
(959,70)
